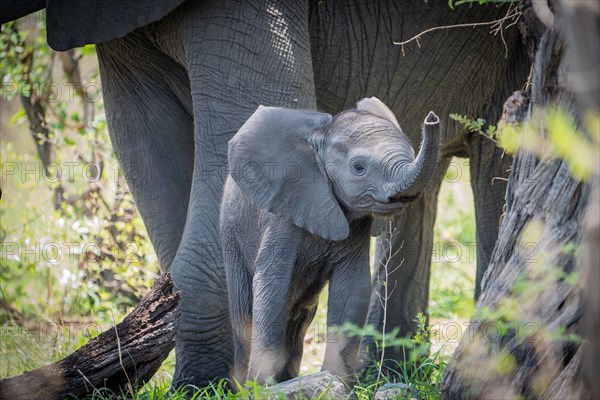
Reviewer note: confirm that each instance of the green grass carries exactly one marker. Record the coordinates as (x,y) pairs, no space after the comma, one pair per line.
(29,349)
(423,375)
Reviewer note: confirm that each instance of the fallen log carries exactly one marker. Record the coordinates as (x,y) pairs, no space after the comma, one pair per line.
(121,359)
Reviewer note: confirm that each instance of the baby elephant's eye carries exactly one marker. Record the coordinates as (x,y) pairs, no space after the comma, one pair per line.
(358,168)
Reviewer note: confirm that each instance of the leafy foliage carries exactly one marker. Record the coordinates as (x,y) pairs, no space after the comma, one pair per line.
(553,132)
(75,255)
(475,125)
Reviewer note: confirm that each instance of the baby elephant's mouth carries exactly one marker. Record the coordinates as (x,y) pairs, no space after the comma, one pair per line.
(404,199)
(394,204)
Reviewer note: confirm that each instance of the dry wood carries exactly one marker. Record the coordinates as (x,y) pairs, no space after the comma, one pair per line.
(121,358)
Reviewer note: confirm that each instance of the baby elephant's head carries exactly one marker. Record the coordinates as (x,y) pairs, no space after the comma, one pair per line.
(321,172)
(371,163)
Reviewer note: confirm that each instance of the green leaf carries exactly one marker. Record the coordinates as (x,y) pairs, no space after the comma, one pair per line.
(508,139)
(570,143)
(18,117)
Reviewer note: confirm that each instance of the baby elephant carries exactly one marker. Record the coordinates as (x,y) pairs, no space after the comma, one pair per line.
(296,213)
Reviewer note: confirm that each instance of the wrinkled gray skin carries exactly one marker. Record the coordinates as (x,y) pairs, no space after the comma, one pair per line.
(296,214)
(178,87)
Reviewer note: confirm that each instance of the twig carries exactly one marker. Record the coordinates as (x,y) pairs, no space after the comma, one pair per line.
(129,385)
(487,136)
(85,378)
(384,299)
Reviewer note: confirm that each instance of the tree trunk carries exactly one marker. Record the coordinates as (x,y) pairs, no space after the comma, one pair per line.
(121,359)
(525,339)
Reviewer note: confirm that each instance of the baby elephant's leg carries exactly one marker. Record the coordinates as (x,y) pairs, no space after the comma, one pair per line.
(349,292)
(239,285)
(271,286)
(295,332)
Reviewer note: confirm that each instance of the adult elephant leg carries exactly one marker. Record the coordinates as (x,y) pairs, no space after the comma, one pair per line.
(489,168)
(403,270)
(256,52)
(148,107)
(450,71)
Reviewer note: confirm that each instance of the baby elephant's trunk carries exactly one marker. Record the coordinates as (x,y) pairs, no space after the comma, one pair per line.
(417,174)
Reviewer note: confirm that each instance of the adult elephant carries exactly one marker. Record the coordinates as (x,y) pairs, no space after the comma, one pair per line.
(179,79)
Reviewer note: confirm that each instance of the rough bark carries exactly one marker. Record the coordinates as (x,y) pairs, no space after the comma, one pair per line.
(121,358)
(522,343)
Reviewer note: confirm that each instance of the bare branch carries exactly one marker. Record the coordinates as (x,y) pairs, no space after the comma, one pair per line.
(497,25)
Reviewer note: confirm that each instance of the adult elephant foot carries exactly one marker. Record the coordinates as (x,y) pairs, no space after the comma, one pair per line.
(204,340)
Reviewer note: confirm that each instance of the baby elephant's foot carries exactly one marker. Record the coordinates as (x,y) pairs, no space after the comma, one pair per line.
(268,367)
(340,358)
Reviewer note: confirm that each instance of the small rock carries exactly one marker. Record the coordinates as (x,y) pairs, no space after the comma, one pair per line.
(393,391)
(322,385)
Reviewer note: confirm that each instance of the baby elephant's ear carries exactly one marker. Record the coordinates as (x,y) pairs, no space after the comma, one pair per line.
(376,107)
(276,167)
